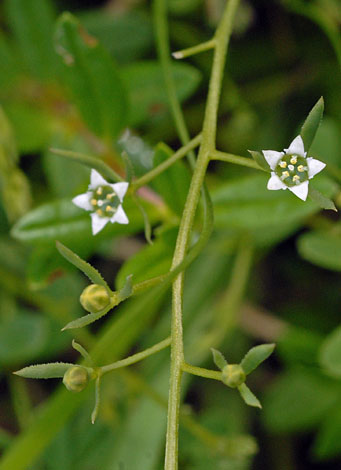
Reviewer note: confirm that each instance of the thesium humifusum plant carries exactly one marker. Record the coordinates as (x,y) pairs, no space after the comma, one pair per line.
(169,239)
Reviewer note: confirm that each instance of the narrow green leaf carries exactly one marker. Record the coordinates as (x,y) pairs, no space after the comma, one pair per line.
(256,356)
(321,200)
(321,248)
(311,124)
(219,359)
(44,371)
(94,414)
(173,183)
(85,267)
(260,159)
(249,398)
(92,77)
(87,319)
(32,23)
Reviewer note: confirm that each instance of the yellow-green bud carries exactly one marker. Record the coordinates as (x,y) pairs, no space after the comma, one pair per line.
(76,378)
(95,298)
(233,375)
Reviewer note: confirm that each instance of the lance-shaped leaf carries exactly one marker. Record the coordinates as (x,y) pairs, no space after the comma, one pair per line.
(115,299)
(321,200)
(92,77)
(219,359)
(312,123)
(44,371)
(249,398)
(259,159)
(255,356)
(85,267)
(81,351)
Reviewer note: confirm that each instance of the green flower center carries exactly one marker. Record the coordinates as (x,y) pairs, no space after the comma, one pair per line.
(104,201)
(292,169)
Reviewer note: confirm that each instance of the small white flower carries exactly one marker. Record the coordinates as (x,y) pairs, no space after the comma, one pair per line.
(104,201)
(292,169)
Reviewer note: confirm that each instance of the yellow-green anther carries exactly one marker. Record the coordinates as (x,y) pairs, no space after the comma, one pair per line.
(233,375)
(76,378)
(95,298)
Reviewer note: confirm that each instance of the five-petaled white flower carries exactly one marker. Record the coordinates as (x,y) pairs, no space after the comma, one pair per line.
(292,169)
(104,200)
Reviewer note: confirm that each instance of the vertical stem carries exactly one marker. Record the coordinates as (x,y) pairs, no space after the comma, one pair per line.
(222,37)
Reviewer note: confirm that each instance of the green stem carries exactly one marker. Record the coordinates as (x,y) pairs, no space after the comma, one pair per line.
(222,37)
(136,357)
(201,372)
(236,159)
(166,164)
(204,46)
(91,162)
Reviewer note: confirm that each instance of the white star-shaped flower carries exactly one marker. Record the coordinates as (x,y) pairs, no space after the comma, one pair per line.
(104,201)
(292,169)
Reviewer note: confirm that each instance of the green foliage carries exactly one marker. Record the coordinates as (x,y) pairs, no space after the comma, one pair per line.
(311,124)
(256,356)
(219,359)
(249,398)
(321,248)
(92,78)
(44,371)
(330,353)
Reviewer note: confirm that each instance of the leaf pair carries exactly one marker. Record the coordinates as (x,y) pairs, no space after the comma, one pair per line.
(234,375)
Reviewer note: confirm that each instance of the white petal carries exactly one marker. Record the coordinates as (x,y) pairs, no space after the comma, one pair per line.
(314,166)
(296,146)
(275,182)
(83,201)
(272,157)
(301,190)
(120,189)
(96,180)
(97,223)
(120,216)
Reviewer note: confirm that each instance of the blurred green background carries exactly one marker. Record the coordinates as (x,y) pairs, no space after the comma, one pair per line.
(270,272)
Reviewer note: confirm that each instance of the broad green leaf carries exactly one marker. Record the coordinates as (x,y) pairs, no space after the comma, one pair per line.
(249,398)
(146,89)
(321,200)
(43,266)
(9,64)
(256,356)
(82,265)
(16,345)
(328,441)
(321,248)
(62,220)
(330,353)
(92,77)
(260,159)
(127,34)
(299,400)
(32,22)
(219,359)
(246,203)
(327,143)
(311,124)
(299,345)
(44,371)
(172,184)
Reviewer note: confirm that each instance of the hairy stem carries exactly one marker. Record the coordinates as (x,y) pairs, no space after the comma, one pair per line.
(221,37)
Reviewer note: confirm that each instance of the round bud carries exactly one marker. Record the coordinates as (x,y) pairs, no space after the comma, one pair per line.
(95,298)
(76,378)
(233,375)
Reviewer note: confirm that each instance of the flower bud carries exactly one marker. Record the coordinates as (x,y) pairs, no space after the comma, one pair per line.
(76,378)
(233,375)
(95,298)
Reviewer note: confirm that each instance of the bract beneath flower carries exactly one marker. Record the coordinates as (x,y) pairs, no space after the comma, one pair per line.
(292,169)
(104,201)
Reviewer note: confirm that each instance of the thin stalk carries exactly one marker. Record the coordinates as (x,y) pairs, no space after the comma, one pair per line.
(136,357)
(166,164)
(221,37)
(202,47)
(236,159)
(201,372)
